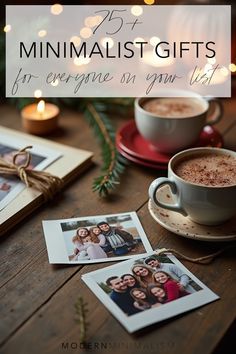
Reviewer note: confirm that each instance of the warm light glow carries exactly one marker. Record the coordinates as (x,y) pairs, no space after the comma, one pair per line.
(81,61)
(138,39)
(76,40)
(154,41)
(37,93)
(232,67)
(55,83)
(56,9)
(88,21)
(92,21)
(106,40)
(86,32)
(42,33)
(41,107)
(224,71)
(136,10)
(97,19)
(149,2)
(208,70)
(7,28)
(211,60)
(150,58)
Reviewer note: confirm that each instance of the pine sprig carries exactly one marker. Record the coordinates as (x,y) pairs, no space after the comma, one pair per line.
(113,162)
(81,310)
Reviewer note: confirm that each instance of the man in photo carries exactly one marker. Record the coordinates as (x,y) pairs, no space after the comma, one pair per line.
(117,240)
(173,270)
(121,295)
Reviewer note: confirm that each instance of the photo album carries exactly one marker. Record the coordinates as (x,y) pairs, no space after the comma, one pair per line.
(18,201)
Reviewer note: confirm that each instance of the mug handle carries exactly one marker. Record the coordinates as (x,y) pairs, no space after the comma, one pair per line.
(158,183)
(217,114)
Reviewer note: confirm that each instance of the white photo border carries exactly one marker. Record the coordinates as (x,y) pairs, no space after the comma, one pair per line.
(153,315)
(58,255)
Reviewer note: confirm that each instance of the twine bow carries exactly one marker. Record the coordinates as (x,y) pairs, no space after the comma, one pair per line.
(44,182)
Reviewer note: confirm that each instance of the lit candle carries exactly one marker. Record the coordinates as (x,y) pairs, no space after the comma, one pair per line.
(41,118)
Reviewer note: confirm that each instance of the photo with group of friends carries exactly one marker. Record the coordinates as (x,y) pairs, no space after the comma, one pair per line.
(146,284)
(147,289)
(150,283)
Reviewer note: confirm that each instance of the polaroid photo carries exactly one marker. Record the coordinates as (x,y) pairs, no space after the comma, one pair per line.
(94,239)
(143,291)
(41,158)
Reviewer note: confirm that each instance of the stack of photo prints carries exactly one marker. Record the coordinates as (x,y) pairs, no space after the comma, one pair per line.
(146,288)
(41,157)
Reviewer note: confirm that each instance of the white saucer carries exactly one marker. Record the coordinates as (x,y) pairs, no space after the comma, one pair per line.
(183,226)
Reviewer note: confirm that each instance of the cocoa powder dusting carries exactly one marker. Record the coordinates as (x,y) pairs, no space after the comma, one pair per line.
(208,170)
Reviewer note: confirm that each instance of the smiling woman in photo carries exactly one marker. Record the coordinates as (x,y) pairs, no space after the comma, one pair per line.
(170,286)
(84,243)
(130,280)
(140,296)
(158,294)
(143,274)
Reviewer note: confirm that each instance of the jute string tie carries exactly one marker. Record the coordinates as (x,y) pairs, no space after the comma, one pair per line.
(201,260)
(42,181)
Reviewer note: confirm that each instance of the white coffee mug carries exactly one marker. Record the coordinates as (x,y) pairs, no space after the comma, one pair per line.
(207,205)
(168,134)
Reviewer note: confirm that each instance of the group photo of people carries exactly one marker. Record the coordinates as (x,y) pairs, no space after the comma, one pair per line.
(104,237)
(150,282)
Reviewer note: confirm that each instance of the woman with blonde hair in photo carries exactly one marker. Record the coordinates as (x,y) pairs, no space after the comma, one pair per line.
(143,273)
(141,301)
(170,285)
(97,236)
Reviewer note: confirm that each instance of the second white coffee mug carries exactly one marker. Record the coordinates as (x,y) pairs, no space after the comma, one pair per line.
(208,205)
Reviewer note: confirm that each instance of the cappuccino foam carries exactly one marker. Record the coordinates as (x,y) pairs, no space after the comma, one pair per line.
(208,169)
(174,107)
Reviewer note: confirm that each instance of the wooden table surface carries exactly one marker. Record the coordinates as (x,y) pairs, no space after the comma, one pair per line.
(37,299)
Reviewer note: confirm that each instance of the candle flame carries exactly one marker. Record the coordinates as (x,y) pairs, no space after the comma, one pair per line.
(41,107)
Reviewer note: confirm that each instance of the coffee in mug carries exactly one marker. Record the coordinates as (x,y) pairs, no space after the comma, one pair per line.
(203,181)
(171,124)
(208,169)
(173,107)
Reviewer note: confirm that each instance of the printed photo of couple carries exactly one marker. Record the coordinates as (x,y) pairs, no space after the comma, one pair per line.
(104,237)
(148,289)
